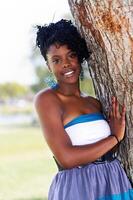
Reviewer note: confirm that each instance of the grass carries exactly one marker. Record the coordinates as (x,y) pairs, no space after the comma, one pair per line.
(26,164)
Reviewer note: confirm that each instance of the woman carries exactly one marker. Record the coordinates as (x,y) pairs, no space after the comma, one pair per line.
(74,126)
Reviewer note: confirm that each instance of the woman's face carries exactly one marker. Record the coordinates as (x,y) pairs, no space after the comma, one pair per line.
(64,63)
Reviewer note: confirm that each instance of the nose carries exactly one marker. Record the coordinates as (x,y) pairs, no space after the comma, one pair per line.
(66,63)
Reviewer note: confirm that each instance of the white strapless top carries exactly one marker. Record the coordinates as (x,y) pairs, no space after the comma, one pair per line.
(87,129)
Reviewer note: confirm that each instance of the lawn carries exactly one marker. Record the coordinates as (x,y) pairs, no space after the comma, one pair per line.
(26,164)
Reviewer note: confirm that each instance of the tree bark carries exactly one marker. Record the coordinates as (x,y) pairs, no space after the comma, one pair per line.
(107,27)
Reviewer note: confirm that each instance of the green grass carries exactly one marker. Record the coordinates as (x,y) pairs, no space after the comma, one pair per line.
(26,164)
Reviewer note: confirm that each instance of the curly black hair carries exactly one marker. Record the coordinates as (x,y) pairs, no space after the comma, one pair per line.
(62,32)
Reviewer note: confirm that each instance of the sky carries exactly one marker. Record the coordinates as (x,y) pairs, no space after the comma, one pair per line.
(17,18)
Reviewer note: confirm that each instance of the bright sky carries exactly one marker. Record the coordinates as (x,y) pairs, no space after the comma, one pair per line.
(16,20)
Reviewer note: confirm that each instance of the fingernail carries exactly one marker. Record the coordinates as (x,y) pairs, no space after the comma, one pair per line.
(113,99)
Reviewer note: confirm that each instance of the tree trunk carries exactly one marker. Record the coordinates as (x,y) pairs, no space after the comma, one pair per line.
(107,27)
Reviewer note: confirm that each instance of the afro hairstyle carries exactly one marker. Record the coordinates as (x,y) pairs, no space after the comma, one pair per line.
(62,32)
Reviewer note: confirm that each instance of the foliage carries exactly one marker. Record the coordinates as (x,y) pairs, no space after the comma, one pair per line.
(87,87)
(12,90)
(41,74)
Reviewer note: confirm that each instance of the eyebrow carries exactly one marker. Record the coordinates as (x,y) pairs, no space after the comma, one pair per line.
(55,56)
(60,55)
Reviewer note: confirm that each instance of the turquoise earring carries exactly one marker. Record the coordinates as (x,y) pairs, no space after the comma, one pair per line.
(50,81)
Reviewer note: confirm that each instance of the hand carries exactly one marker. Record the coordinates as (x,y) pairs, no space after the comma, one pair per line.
(117,120)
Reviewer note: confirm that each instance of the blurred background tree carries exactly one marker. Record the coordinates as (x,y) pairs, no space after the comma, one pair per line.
(13,90)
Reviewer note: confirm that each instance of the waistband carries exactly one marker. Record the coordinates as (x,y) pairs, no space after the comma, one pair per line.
(108,157)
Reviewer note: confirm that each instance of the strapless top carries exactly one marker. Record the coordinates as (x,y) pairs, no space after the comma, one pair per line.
(87,129)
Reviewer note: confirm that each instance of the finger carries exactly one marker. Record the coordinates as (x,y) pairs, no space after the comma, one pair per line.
(123,113)
(117,113)
(110,114)
(113,106)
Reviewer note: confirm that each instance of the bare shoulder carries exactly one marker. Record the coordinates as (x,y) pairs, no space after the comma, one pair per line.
(46,98)
(45,93)
(95,102)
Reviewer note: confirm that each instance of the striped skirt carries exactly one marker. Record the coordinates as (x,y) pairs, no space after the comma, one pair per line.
(102,181)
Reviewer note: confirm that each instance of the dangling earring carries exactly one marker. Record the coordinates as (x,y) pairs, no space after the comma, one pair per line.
(50,81)
(81,74)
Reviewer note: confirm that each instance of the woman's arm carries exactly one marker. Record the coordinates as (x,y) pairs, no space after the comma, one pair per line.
(50,115)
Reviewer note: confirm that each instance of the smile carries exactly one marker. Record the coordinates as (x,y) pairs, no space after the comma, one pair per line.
(70,73)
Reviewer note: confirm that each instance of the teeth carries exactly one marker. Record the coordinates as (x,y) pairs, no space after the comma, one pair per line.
(68,73)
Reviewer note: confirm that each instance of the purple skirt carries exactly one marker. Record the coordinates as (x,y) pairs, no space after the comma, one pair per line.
(102,181)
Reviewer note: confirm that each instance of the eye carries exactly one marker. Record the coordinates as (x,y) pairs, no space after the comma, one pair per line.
(73,55)
(56,61)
